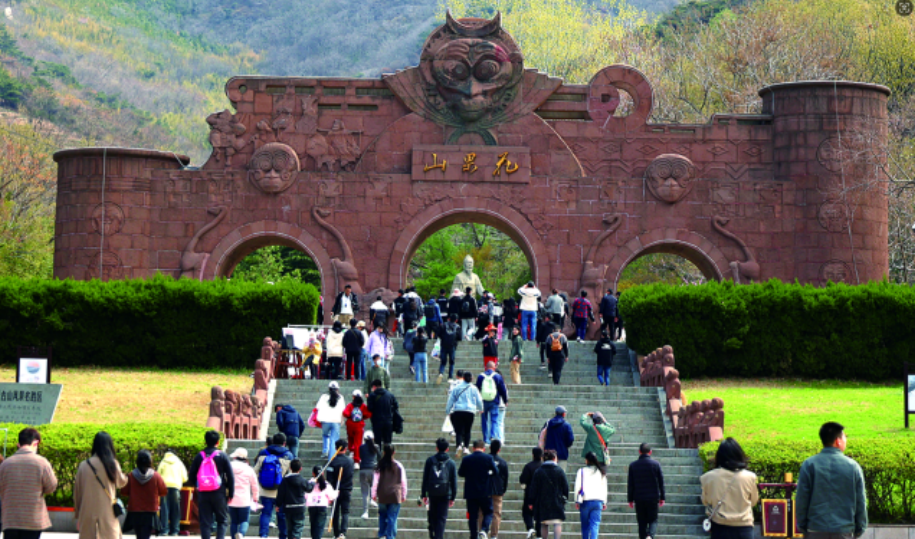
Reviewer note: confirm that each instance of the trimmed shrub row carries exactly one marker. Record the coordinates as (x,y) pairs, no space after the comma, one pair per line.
(65,445)
(888,466)
(776,329)
(159,322)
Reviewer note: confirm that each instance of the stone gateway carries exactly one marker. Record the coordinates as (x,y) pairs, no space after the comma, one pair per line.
(359,172)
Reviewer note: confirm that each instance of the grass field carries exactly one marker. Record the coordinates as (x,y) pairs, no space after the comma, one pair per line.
(795,409)
(94,395)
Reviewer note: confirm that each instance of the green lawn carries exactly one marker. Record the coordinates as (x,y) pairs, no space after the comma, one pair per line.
(794,409)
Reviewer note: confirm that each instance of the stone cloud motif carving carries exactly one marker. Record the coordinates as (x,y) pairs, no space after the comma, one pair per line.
(273,168)
(669,177)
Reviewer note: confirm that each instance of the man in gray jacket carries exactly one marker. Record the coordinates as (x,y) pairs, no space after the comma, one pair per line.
(831,503)
(553,306)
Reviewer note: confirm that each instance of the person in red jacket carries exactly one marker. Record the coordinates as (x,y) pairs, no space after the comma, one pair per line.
(356,412)
(144,488)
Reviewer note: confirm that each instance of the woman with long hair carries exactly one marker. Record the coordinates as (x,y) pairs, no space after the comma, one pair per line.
(356,412)
(390,491)
(318,500)
(144,488)
(729,493)
(591,494)
(98,479)
(330,414)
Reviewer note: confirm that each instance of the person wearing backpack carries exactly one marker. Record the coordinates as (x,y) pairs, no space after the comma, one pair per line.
(464,401)
(439,488)
(605,350)
(271,466)
(433,315)
(493,391)
(246,492)
(557,347)
(291,424)
(468,314)
(340,473)
(211,473)
(356,412)
(448,335)
(319,498)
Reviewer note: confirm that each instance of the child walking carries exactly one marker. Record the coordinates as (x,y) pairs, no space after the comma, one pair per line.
(317,501)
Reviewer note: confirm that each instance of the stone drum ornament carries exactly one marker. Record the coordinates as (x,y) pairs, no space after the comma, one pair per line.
(273,167)
(669,177)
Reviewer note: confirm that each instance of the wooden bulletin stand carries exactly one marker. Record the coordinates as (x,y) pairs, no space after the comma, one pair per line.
(776,514)
(187,499)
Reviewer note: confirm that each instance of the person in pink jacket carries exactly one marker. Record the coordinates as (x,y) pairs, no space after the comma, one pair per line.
(390,490)
(245,492)
(318,501)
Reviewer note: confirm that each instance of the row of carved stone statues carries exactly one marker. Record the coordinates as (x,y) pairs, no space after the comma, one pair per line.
(238,415)
(693,424)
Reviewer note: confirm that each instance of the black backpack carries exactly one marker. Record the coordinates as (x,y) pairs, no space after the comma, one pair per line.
(440,485)
(429,311)
(466,308)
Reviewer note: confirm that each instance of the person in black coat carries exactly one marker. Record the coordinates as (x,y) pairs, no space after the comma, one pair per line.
(605,350)
(353,301)
(353,340)
(480,474)
(551,490)
(339,475)
(382,404)
(544,328)
(449,334)
(607,311)
(527,505)
(438,472)
(290,498)
(646,491)
(212,505)
(499,488)
(442,301)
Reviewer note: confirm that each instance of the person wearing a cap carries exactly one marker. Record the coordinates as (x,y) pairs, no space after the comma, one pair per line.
(330,414)
(354,428)
(490,347)
(245,492)
(598,435)
(557,434)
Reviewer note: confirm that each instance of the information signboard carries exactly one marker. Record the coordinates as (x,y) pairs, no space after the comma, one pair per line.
(29,404)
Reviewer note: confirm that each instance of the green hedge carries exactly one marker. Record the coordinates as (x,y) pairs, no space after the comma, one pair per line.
(888,466)
(776,329)
(65,445)
(159,322)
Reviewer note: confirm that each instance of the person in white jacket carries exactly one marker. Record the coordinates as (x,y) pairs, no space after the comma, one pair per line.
(530,306)
(330,414)
(334,346)
(245,492)
(591,495)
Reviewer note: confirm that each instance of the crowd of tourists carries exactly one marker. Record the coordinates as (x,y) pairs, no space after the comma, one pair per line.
(830,499)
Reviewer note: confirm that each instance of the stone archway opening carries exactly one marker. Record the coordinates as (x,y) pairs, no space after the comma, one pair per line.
(499,260)
(672,263)
(270,258)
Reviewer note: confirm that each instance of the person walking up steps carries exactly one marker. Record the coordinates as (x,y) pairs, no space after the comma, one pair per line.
(448,335)
(591,495)
(516,355)
(492,391)
(330,414)
(211,472)
(468,314)
(271,466)
(368,452)
(480,474)
(340,471)
(605,350)
(544,329)
(291,424)
(439,488)
(557,435)
(319,497)
(598,436)
(554,306)
(377,372)
(527,504)
(383,405)
(608,312)
(499,488)
(831,500)
(557,347)
(530,306)
(463,402)
(290,498)
(420,356)
(551,490)
(353,341)
(390,491)
(490,347)
(645,491)
(356,413)
(246,492)
(582,313)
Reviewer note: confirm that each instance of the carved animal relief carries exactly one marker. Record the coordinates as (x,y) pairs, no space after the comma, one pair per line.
(669,177)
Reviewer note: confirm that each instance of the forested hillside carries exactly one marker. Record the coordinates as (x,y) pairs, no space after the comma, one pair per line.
(148,72)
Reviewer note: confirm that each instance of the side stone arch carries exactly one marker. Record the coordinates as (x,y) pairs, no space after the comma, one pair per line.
(469,210)
(690,245)
(244,240)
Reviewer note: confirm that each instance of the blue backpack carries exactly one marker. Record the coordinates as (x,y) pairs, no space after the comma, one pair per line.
(271,474)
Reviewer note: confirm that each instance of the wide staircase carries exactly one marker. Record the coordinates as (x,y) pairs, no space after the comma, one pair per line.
(634,412)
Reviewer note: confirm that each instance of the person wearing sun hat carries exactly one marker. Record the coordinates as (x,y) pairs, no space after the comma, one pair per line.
(246,492)
(490,347)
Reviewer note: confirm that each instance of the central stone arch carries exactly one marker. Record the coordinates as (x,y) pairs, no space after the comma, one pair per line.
(690,245)
(469,210)
(246,239)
